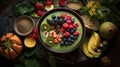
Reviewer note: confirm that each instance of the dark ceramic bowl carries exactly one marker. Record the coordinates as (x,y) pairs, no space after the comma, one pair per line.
(24,25)
(59,11)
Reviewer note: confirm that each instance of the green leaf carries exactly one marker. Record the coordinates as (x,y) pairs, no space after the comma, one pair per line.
(55,2)
(52,61)
(29,53)
(99,14)
(38,53)
(32,62)
(104,9)
(23,9)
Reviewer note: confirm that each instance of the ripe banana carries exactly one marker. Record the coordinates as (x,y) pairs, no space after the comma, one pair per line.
(88,48)
(94,43)
(85,51)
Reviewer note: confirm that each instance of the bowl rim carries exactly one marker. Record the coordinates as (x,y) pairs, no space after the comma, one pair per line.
(24,17)
(61,9)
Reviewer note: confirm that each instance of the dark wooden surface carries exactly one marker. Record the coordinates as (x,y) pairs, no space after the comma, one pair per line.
(113,53)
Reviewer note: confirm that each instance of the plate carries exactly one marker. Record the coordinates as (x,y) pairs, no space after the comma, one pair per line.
(57,48)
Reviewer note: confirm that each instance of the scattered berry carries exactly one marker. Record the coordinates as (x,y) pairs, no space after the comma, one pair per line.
(75,25)
(69,22)
(65,25)
(76,33)
(63,16)
(70,26)
(66,34)
(40,13)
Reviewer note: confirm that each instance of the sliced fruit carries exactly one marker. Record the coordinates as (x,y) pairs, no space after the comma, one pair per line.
(49,42)
(45,33)
(29,42)
(94,43)
(49,7)
(85,51)
(45,27)
(94,40)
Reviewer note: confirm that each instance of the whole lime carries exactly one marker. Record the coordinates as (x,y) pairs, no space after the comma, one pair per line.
(107,30)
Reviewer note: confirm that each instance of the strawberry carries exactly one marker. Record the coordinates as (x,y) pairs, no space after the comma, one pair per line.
(70,26)
(65,25)
(75,25)
(48,3)
(69,22)
(39,5)
(40,13)
(66,34)
(76,33)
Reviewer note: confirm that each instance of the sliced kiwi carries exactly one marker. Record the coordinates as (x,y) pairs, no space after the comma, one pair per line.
(45,27)
(49,42)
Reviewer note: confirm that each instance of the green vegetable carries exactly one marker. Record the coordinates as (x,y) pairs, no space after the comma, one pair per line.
(23,9)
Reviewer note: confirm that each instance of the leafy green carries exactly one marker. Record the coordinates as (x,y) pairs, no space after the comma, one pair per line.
(23,9)
(31,63)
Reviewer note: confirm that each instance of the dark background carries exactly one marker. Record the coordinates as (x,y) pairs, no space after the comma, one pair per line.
(113,53)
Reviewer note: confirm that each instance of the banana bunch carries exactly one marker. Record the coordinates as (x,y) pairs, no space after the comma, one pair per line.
(90,47)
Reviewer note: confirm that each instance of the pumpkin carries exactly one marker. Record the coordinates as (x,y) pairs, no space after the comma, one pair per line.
(10,46)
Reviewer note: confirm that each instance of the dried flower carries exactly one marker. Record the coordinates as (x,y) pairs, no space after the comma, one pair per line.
(92,11)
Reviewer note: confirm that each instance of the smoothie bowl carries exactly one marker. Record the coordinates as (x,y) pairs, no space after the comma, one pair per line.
(61,30)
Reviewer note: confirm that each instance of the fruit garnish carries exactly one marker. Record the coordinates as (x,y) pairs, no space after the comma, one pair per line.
(45,27)
(69,22)
(40,13)
(29,42)
(65,25)
(70,26)
(39,5)
(75,24)
(63,15)
(76,33)
(66,34)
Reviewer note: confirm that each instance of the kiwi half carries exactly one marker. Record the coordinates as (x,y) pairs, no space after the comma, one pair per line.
(45,27)
(49,42)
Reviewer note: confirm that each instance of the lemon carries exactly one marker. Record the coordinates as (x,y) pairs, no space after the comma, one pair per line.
(29,42)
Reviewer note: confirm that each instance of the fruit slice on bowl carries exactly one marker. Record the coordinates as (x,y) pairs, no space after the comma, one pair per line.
(29,42)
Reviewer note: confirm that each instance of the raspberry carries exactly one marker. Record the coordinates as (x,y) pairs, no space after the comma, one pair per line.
(76,33)
(66,34)
(40,13)
(48,3)
(75,25)
(62,30)
(39,5)
(35,30)
(69,22)
(70,26)
(65,25)
(68,17)
(63,16)
(34,36)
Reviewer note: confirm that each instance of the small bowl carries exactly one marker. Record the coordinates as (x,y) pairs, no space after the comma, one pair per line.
(74,5)
(24,25)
